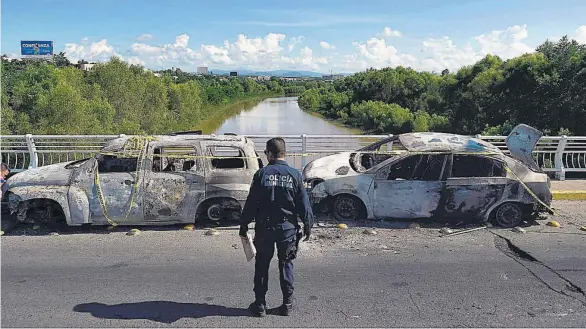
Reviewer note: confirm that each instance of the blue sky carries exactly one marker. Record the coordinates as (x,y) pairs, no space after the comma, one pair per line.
(318,35)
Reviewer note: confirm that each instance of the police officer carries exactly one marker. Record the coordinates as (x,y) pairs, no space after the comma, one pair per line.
(277,196)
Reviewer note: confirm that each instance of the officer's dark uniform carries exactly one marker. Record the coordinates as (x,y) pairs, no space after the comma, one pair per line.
(277,196)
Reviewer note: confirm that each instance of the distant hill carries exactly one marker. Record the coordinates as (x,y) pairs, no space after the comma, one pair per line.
(276,73)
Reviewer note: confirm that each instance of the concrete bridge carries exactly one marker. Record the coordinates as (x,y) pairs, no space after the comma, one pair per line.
(555,154)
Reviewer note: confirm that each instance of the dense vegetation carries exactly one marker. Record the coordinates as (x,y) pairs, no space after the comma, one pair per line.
(115,97)
(546,89)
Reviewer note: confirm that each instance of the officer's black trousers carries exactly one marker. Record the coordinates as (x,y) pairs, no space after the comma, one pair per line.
(265,240)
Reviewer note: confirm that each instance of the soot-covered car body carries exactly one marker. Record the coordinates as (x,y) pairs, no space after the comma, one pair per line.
(424,175)
(179,178)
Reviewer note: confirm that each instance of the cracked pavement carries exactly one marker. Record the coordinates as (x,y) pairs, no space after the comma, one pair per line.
(398,277)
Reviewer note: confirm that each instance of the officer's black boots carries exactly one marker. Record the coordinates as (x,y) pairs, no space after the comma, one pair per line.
(285,309)
(257,309)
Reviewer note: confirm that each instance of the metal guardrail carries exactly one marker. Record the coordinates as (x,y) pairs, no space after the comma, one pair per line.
(555,154)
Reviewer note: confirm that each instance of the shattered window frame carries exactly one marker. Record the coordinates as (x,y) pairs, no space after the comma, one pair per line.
(417,159)
(190,152)
(118,162)
(428,157)
(215,157)
(495,164)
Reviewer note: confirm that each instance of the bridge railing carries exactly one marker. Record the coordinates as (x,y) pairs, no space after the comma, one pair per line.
(555,154)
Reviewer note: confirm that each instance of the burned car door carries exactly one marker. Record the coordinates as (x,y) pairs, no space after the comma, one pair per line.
(174,182)
(409,187)
(475,183)
(117,179)
(229,171)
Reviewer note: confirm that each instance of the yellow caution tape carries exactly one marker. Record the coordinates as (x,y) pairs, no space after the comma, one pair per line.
(135,142)
(529,190)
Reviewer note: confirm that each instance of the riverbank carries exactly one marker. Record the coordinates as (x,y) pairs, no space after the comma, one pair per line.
(220,113)
(351,130)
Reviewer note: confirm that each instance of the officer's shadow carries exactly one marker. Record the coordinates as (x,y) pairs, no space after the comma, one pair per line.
(159,311)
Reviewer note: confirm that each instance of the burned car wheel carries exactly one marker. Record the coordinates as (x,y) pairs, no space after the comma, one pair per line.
(215,212)
(508,215)
(346,207)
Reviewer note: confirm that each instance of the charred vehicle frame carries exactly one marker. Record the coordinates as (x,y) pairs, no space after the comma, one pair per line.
(180,177)
(433,175)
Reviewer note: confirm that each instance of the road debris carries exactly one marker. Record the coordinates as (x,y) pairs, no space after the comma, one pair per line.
(321,225)
(111,227)
(342,226)
(212,232)
(518,229)
(134,231)
(36,227)
(1,232)
(189,227)
(553,223)
(370,231)
(465,231)
(582,228)
(446,230)
(53,234)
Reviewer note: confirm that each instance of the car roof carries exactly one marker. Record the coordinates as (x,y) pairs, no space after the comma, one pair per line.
(118,143)
(430,142)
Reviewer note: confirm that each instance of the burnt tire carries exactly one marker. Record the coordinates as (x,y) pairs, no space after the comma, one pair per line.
(508,215)
(215,212)
(346,208)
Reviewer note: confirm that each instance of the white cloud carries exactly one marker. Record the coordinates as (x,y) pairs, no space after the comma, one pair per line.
(326,45)
(135,61)
(144,37)
(388,32)
(377,53)
(277,51)
(84,40)
(506,43)
(295,41)
(437,54)
(96,51)
(581,34)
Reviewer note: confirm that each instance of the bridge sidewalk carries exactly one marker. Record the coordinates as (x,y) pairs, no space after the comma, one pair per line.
(569,189)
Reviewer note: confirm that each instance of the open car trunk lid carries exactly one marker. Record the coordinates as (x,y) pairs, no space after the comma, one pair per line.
(521,142)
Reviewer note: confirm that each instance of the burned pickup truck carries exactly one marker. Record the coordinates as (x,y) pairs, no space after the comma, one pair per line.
(433,175)
(170,179)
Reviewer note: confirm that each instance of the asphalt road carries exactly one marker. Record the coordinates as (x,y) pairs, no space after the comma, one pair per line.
(344,278)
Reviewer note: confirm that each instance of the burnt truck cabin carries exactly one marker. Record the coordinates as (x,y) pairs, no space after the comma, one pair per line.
(179,178)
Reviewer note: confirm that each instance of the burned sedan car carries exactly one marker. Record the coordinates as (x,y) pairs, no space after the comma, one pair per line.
(171,179)
(425,175)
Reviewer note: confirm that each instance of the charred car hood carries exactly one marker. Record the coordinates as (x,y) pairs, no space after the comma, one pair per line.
(330,166)
(55,174)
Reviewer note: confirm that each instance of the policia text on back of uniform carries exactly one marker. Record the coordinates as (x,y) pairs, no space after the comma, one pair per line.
(277,197)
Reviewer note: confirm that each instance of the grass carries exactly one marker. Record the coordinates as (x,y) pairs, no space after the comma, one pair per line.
(220,113)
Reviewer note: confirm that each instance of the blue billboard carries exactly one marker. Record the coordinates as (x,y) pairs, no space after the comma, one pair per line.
(36,48)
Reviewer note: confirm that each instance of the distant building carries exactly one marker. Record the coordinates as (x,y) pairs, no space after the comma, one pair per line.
(233,73)
(86,66)
(261,78)
(332,77)
(202,70)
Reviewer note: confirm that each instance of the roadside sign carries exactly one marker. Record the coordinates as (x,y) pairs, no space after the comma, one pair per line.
(36,48)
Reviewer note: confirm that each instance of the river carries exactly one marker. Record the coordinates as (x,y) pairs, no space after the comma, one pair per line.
(278,116)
